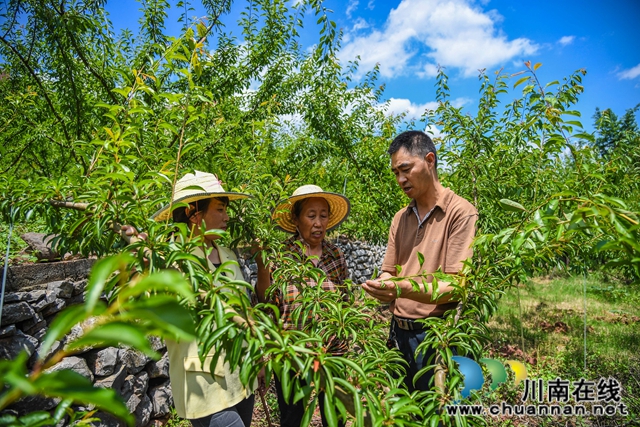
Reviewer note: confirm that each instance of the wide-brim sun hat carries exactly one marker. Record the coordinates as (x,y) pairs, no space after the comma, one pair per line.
(339,207)
(193,187)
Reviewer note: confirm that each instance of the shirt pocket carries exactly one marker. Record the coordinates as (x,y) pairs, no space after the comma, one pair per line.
(193,364)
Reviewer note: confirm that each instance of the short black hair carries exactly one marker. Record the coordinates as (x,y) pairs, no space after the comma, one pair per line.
(415,142)
(180,214)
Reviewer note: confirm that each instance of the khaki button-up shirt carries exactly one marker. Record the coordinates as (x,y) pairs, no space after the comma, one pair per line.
(444,239)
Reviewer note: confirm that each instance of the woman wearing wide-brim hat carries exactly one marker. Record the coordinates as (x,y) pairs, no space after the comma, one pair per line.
(208,399)
(308,214)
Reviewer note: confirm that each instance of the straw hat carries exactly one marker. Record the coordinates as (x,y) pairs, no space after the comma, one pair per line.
(339,207)
(194,187)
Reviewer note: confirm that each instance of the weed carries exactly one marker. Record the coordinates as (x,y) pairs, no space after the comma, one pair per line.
(553,328)
(17,245)
(175,421)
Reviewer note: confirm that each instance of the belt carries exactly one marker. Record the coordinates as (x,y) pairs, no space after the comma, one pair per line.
(409,324)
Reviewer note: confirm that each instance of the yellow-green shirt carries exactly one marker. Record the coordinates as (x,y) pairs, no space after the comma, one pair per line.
(196,392)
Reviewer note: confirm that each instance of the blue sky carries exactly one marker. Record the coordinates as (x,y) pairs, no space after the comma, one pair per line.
(409,38)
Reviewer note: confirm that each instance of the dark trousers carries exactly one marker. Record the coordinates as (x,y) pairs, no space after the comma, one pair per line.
(408,342)
(236,416)
(291,413)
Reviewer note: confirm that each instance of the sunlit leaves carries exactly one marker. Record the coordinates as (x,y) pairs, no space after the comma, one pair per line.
(511,206)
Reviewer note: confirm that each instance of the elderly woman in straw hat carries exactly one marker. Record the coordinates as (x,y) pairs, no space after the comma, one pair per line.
(208,399)
(308,214)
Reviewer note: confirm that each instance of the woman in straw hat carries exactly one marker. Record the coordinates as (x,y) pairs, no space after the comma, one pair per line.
(308,214)
(207,399)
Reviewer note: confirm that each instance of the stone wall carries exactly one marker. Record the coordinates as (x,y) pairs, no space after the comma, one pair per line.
(28,311)
(36,293)
(362,260)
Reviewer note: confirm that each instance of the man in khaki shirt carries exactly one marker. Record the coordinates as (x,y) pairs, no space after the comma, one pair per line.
(437,223)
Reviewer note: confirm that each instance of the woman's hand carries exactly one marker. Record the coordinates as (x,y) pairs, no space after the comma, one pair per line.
(130,234)
(264,272)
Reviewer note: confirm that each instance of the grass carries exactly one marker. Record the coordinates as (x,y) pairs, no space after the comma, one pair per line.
(175,421)
(259,416)
(17,248)
(547,331)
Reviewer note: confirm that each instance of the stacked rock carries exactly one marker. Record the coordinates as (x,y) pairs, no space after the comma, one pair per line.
(26,316)
(362,258)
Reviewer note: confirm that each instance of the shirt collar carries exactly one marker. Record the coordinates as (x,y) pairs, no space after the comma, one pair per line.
(443,201)
(201,252)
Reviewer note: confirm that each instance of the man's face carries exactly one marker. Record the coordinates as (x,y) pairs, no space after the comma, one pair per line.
(413,173)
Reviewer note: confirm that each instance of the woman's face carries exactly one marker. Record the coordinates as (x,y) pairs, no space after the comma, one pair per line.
(313,220)
(215,218)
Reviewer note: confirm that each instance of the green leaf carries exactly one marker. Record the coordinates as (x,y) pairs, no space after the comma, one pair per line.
(61,410)
(14,373)
(115,334)
(518,240)
(35,419)
(100,272)
(8,420)
(308,412)
(61,325)
(375,273)
(420,259)
(162,315)
(520,81)
(330,412)
(68,384)
(285,381)
(511,206)
(163,281)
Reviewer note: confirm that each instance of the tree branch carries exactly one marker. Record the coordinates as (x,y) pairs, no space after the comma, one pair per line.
(101,79)
(13,20)
(15,161)
(40,85)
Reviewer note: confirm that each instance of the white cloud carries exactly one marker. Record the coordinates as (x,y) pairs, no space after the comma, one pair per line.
(419,34)
(629,74)
(566,40)
(398,106)
(459,102)
(353,5)
(371,5)
(360,24)
(429,70)
(433,132)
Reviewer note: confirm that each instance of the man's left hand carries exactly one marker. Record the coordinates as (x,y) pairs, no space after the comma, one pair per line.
(385,293)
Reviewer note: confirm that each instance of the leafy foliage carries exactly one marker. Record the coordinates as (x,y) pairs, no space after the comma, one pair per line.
(146,306)
(110,122)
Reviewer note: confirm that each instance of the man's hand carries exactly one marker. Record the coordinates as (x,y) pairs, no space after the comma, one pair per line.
(383,290)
